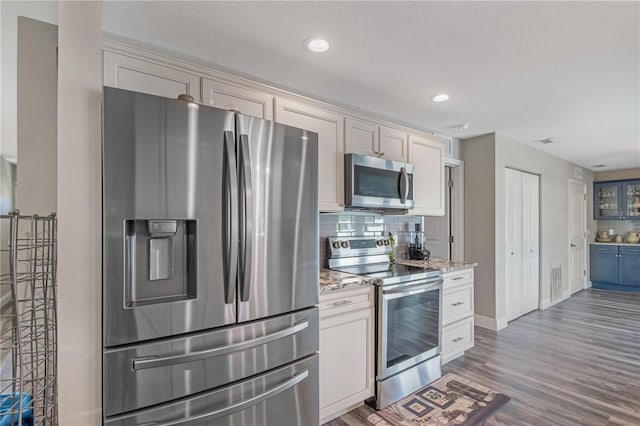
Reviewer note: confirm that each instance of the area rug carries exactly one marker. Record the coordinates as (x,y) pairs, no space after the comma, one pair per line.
(450,400)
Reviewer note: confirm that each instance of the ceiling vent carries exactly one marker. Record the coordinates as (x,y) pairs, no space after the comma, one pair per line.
(599,166)
(546,141)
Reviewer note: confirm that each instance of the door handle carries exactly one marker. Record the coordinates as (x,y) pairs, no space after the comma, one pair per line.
(246,219)
(229,215)
(210,415)
(155,361)
(573,245)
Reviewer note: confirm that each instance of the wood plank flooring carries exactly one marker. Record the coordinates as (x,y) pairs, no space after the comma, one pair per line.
(576,363)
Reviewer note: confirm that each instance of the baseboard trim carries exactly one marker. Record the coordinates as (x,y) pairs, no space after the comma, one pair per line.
(490,323)
(547,303)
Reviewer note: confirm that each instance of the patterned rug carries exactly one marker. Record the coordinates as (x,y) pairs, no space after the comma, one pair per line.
(451,400)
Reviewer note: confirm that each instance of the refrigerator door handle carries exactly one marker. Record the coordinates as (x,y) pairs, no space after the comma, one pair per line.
(246,216)
(210,415)
(229,215)
(155,362)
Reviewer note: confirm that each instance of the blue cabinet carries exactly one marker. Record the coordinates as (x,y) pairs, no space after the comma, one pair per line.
(629,266)
(616,200)
(615,267)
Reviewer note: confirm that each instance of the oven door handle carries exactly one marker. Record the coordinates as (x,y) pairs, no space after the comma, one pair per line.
(410,290)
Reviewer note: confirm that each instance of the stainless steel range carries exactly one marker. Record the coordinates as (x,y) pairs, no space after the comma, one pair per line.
(408,315)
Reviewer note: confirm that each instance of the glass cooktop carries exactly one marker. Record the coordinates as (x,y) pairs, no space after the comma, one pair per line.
(391,273)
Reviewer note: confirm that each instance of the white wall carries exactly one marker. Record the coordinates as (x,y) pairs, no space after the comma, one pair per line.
(46,11)
(37,116)
(79,213)
(486,158)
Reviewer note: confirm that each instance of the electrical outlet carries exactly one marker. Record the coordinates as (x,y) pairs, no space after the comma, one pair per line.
(612,231)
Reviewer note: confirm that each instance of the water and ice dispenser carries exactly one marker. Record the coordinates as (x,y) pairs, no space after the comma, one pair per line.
(160,261)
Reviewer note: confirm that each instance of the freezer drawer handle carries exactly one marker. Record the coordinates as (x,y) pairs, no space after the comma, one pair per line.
(155,362)
(210,415)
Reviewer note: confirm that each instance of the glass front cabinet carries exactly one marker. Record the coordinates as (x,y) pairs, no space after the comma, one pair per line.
(616,200)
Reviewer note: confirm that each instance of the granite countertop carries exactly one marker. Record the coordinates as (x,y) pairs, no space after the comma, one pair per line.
(444,265)
(613,243)
(334,280)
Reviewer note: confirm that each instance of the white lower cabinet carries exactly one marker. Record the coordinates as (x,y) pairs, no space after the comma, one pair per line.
(457,314)
(346,351)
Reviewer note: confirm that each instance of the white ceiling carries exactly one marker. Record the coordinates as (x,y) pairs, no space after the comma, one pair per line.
(531,70)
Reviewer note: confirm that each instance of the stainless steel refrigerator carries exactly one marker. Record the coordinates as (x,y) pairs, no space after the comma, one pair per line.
(210,268)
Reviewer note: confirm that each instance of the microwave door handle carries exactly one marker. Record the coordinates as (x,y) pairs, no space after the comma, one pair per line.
(404,185)
(246,216)
(229,215)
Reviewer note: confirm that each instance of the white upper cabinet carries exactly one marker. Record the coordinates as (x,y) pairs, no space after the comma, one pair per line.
(365,137)
(330,129)
(236,98)
(427,156)
(126,72)
(393,144)
(361,137)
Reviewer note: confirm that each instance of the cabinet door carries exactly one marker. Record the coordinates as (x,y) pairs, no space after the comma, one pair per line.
(361,137)
(393,144)
(427,156)
(607,200)
(629,266)
(604,264)
(232,97)
(329,127)
(631,199)
(126,72)
(346,361)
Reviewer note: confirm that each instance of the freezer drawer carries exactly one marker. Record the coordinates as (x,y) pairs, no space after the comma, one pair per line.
(152,373)
(285,396)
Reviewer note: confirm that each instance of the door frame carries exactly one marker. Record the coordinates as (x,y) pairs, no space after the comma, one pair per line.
(456,208)
(584,232)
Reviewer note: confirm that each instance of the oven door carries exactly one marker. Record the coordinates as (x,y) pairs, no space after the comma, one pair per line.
(409,330)
(373,182)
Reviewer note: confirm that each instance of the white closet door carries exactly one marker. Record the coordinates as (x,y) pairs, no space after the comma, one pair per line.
(530,242)
(513,243)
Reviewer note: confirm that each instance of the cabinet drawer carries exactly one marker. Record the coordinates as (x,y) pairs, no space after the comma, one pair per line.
(458,277)
(457,336)
(344,301)
(457,303)
(630,250)
(602,249)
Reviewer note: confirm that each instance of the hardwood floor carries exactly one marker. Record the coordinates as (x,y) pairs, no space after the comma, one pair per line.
(576,363)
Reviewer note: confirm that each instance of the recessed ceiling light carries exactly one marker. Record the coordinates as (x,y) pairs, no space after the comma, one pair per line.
(440,98)
(599,166)
(317,44)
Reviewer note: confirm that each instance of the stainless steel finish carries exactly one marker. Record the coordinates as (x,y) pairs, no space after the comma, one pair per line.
(229,215)
(204,360)
(284,196)
(404,185)
(384,296)
(284,396)
(157,361)
(160,258)
(342,303)
(150,172)
(403,200)
(397,387)
(336,248)
(246,218)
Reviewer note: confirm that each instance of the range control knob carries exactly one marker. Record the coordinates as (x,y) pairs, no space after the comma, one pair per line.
(379,243)
(345,244)
(336,244)
(386,242)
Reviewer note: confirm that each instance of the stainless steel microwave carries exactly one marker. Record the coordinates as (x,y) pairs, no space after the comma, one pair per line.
(376,183)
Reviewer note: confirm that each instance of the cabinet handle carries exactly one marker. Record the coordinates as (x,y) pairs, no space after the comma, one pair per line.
(458,278)
(381,154)
(342,303)
(457,339)
(457,304)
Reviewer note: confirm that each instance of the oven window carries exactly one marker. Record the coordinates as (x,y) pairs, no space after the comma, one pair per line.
(412,325)
(373,182)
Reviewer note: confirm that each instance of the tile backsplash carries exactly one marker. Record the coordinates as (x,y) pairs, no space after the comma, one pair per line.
(620,227)
(365,223)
